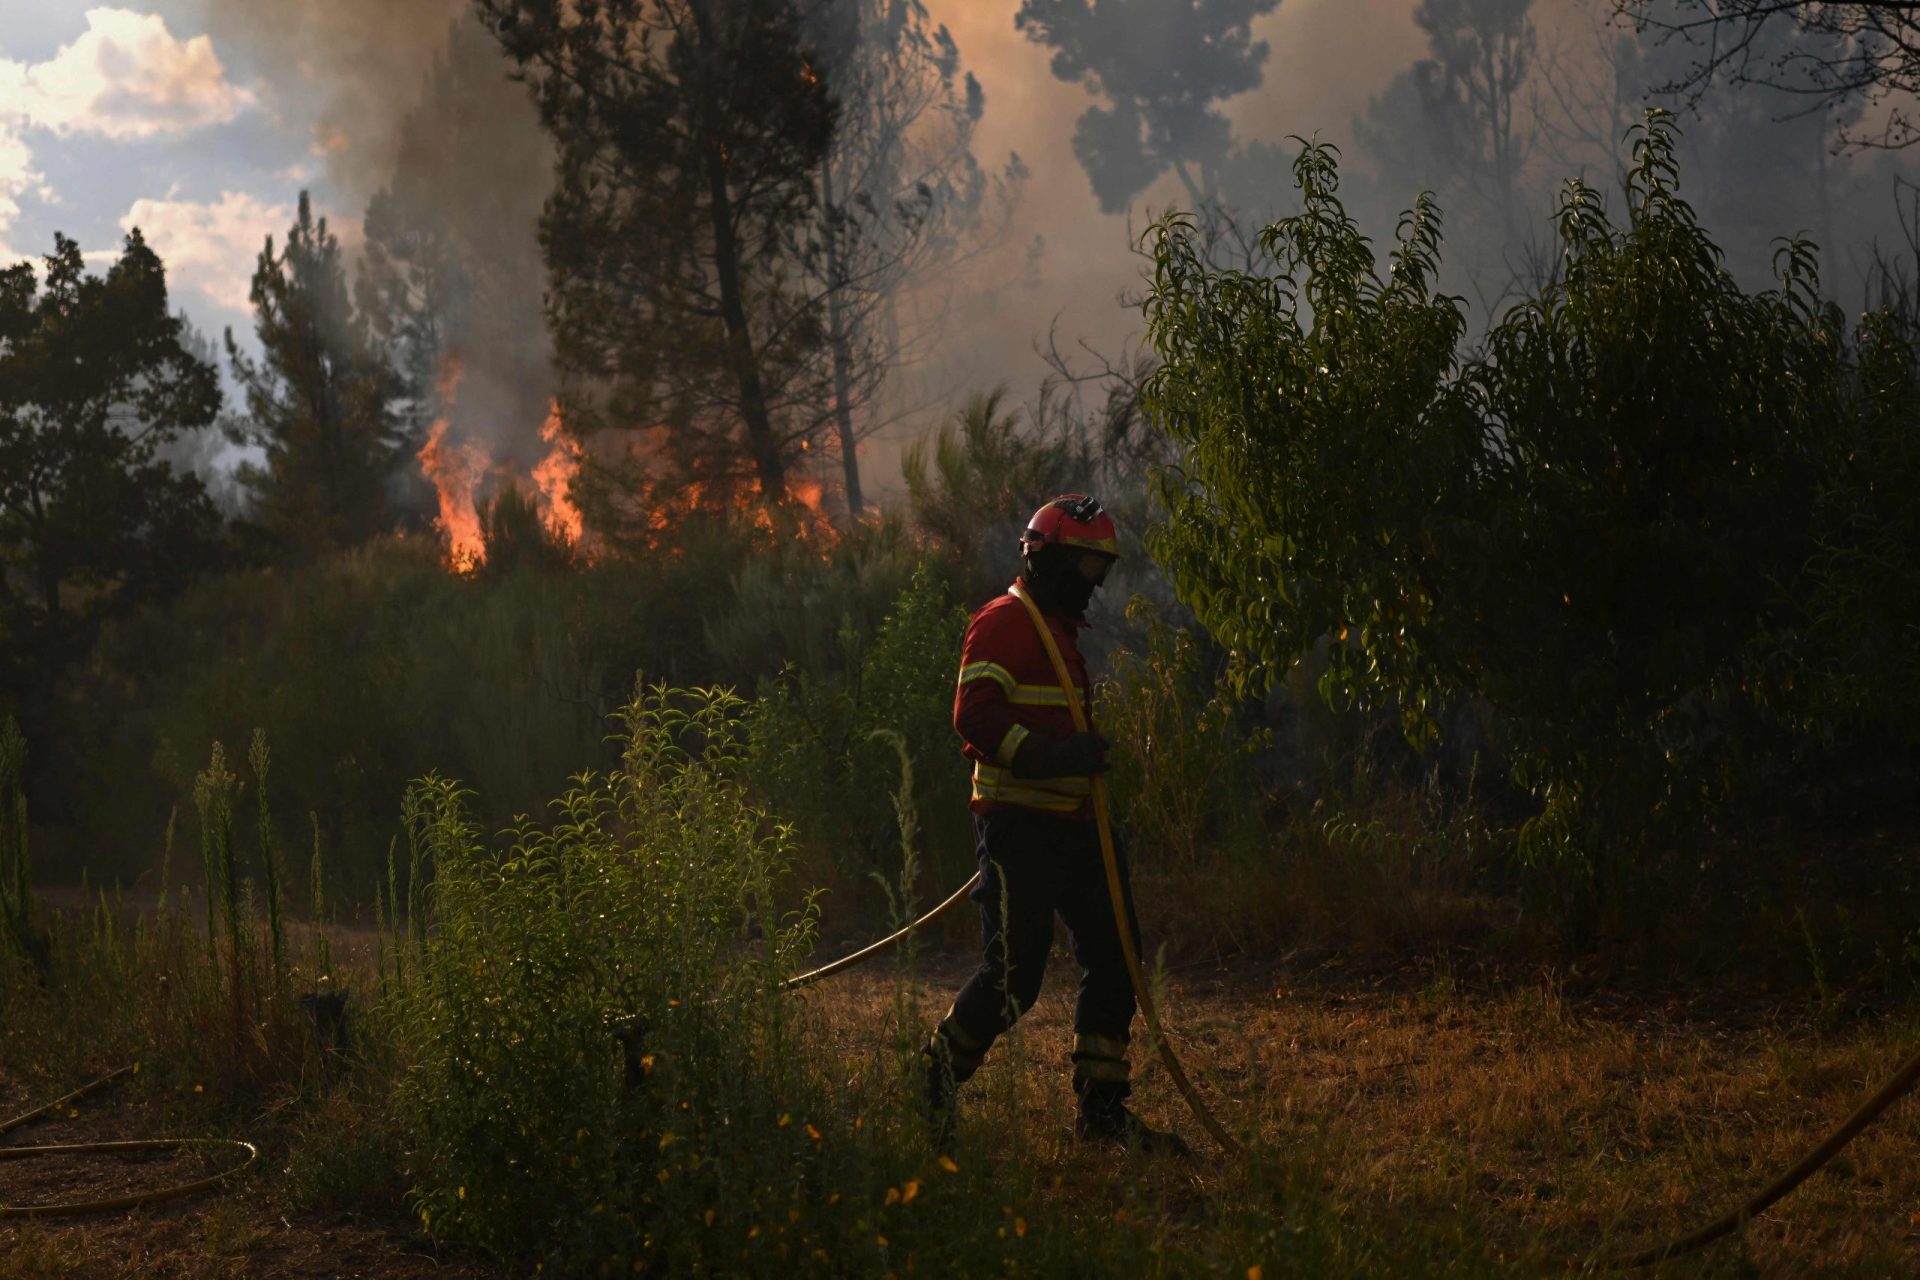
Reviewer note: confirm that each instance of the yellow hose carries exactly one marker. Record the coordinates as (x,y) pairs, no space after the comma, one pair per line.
(132,1200)
(885,944)
(1165,1046)
(1896,1088)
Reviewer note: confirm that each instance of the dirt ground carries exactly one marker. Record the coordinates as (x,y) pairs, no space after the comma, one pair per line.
(1556,1122)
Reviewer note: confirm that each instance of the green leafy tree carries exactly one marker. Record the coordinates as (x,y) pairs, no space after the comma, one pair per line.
(1162,67)
(690,134)
(319,399)
(1601,528)
(94,381)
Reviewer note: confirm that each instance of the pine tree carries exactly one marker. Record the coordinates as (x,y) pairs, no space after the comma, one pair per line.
(689,135)
(93,382)
(319,398)
(1162,66)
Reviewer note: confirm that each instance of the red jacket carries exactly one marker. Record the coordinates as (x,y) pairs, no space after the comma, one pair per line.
(1007,691)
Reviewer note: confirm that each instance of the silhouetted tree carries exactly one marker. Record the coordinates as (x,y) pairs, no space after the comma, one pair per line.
(1865,52)
(94,381)
(690,136)
(901,197)
(1453,121)
(1162,66)
(318,398)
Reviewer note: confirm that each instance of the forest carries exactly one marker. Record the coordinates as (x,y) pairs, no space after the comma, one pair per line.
(438,717)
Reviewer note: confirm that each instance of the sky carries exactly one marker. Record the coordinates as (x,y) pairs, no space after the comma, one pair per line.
(112,118)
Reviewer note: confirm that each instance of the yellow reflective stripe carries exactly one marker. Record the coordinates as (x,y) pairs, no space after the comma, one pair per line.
(1010,745)
(1100,1047)
(1051,801)
(1105,546)
(1037,695)
(1100,1069)
(988,775)
(952,1030)
(988,671)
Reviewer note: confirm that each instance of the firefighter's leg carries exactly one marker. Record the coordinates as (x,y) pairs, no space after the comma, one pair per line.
(1016,896)
(1103,1017)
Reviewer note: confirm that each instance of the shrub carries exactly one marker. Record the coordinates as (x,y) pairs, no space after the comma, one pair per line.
(646,909)
(820,756)
(1183,777)
(1600,528)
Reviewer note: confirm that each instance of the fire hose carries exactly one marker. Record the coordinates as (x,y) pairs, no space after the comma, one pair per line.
(132,1200)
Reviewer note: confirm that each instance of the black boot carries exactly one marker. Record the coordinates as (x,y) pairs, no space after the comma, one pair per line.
(939,1090)
(1104,1118)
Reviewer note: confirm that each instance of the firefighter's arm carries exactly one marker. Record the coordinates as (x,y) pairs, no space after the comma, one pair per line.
(982,715)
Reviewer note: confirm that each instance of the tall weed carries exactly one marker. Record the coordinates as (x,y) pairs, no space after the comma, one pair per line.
(643,914)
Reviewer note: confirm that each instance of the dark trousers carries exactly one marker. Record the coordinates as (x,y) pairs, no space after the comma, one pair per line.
(1033,866)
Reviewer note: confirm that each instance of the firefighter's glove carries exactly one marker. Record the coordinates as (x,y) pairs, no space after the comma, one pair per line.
(1074,757)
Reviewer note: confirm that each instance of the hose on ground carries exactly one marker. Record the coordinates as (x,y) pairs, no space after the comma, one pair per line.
(131,1200)
(1897,1087)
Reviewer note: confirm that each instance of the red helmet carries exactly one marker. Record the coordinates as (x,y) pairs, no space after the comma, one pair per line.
(1072,520)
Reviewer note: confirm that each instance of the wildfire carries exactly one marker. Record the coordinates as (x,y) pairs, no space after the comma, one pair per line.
(553,477)
(466,476)
(456,469)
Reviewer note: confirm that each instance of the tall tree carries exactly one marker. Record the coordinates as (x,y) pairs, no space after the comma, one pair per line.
(901,197)
(1453,120)
(1863,53)
(93,382)
(319,398)
(1755,160)
(1162,66)
(690,135)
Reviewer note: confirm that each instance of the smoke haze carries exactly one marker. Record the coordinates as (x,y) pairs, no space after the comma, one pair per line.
(357,73)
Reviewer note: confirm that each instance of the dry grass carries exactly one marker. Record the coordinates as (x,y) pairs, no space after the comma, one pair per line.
(1527,1125)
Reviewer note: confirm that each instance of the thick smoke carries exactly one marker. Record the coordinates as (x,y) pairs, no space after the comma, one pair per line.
(461,149)
(419,129)
(349,70)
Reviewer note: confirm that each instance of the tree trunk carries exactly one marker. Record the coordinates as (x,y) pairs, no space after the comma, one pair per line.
(761,444)
(842,355)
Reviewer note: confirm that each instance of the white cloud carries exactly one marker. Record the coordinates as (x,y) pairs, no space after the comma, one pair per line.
(17,176)
(210,247)
(125,76)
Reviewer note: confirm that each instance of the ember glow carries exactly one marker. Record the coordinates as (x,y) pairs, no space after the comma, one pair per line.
(553,479)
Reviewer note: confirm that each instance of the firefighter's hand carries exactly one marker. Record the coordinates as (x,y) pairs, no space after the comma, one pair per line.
(1076,756)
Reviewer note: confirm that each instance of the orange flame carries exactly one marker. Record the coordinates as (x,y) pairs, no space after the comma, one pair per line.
(553,477)
(456,470)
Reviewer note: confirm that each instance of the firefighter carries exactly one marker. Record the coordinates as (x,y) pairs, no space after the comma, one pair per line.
(1034,830)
